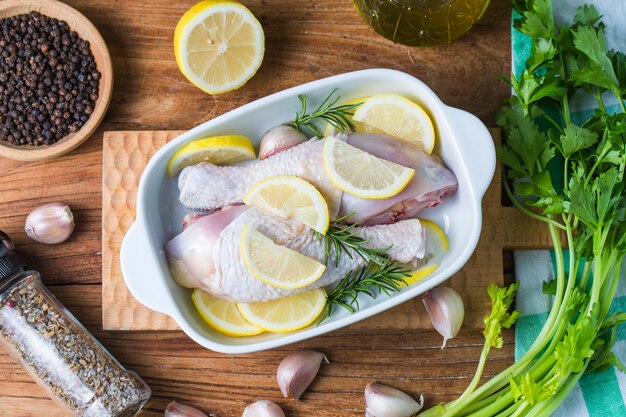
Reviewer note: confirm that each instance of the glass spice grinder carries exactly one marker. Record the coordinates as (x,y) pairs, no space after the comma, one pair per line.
(57,351)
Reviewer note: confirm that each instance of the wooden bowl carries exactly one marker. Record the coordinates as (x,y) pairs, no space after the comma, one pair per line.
(87,31)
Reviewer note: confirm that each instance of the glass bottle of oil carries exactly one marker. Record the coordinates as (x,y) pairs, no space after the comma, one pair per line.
(421,22)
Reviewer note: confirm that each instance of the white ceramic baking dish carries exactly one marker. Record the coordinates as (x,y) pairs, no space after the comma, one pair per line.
(463,142)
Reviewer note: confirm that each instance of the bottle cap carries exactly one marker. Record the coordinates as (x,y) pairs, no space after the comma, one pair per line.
(10,261)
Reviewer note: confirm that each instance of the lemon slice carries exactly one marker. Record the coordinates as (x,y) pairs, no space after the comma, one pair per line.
(286,314)
(291,198)
(396,116)
(436,247)
(219,45)
(361,174)
(277,265)
(219,150)
(222,315)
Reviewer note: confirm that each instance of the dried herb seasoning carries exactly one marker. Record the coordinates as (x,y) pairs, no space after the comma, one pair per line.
(58,351)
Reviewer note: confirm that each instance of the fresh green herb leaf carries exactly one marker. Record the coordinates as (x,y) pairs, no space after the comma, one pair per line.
(336,116)
(586,15)
(576,138)
(341,238)
(582,202)
(510,115)
(551,205)
(592,42)
(540,185)
(501,300)
(528,151)
(609,194)
(592,73)
(371,280)
(531,88)
(543,52)
(608,361)
(572,352)
(613,320)
(380,275)
(618,60)
(526,388)
(549,287)
(537,21)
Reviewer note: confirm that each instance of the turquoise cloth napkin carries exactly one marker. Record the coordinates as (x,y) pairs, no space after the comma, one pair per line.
(597,394)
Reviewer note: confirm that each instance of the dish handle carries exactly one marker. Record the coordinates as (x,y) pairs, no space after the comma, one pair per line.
(478,150)
(142,276)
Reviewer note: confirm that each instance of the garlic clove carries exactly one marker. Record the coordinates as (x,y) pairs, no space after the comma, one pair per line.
(263,408)
(296,372)
(278,139)
(446,311)
(51,223)
(384,401)
(175,409)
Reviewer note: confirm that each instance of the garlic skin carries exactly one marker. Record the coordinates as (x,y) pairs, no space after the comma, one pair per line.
(446,311)
(296,372)
(175,409)
(384,401)
(51,223)
(278,139)
(263,408)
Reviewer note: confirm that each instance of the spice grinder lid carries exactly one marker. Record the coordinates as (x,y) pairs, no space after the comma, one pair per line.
(10,261)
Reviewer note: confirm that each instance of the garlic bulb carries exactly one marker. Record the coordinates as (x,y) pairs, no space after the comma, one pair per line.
(384,401)
(297,371)
(51,223)
(446,311)
(278,139)
(263,408)
(175,409)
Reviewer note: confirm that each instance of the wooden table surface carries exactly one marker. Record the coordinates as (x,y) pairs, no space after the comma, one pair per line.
(304,42)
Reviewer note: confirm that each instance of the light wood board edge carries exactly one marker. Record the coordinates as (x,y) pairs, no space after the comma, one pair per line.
(125,155)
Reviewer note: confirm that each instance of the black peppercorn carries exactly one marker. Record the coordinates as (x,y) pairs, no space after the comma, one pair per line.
(49,80)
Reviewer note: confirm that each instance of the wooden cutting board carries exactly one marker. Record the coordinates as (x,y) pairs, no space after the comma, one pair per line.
(126,154)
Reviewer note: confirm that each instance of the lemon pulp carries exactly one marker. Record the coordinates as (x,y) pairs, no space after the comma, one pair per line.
(277,265)
(222,315)
(219,45)
(291,197)
(286,314)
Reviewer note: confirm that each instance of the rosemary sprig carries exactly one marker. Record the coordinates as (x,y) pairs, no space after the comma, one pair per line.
(380,275)
(371,280)
(344,239)
(336,116)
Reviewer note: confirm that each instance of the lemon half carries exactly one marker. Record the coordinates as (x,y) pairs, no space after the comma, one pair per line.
(219,150)
(277,265)
(362,174)
(219,45)
(286,314)
(291,197)
(222,315)
(396,116)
